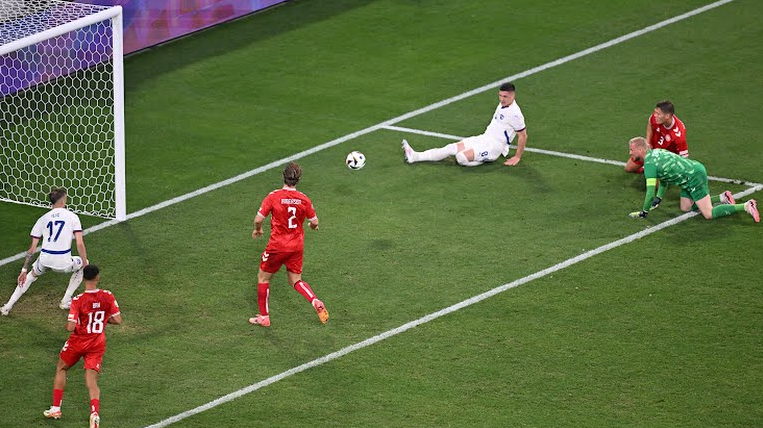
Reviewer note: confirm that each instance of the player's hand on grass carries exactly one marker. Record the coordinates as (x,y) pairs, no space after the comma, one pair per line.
(655,203)
(512,161)
(638,214)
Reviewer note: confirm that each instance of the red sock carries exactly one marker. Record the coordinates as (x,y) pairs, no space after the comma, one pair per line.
(304,289)
(263,292)
(58,396)
(95,405)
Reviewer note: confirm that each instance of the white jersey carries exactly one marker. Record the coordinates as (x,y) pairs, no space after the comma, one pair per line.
(507,121)
(56,230)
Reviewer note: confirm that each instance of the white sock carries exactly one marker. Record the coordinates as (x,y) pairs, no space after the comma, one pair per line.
(74,283)
(434,155)
(20,290)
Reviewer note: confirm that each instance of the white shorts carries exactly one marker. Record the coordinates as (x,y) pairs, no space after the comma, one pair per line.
(63,263)
(485,149)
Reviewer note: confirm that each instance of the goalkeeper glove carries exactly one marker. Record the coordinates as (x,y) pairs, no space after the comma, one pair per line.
(638,214)
(655,203)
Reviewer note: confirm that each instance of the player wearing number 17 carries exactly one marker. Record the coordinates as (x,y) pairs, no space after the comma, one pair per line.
(88,316)
(288,208)
(55,229)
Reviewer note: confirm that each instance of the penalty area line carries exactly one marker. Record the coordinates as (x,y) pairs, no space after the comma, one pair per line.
(423,320)
(751,184)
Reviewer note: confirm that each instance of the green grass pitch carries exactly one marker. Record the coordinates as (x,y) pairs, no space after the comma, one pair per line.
(660,332)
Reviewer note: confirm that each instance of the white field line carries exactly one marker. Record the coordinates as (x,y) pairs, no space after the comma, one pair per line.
(388,125)
(450,309)
(400,118)
(431,317)
(555,153)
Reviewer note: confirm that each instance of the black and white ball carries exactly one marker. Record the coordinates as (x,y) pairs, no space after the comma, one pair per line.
(356,160)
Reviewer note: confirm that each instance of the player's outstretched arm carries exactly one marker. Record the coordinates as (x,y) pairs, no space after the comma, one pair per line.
(81,250)
(661,189)
(28,259)
(521,143)
(648,199)
(651,183)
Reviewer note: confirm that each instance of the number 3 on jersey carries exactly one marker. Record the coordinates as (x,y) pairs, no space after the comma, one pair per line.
(293,212)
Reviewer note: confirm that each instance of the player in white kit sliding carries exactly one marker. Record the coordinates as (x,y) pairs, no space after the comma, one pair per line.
(55,229)
(507,122)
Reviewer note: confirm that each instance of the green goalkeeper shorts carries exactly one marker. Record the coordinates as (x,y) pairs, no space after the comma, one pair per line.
(696,188)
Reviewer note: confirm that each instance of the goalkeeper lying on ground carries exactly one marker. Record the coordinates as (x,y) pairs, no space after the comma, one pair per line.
(669,168)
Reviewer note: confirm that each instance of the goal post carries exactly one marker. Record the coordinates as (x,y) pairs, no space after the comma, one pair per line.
(62,105)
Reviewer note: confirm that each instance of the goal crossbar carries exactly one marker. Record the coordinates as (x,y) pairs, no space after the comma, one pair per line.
(83,22)
(112,14)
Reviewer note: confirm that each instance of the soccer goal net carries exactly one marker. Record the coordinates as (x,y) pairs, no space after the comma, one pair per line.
(61,105)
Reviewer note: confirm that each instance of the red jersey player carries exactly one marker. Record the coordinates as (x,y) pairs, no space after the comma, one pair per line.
(288,208)
(664,131)
(88,316)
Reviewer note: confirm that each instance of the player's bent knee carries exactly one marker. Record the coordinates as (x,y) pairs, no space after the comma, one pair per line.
(464,161)
(461,158)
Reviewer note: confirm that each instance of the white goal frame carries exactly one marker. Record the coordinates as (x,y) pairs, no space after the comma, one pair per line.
(114,14)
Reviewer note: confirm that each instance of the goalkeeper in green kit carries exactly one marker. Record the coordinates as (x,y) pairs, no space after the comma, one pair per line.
(669,168)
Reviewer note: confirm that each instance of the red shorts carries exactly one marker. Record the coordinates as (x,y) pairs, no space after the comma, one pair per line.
(271,261)
(73,350)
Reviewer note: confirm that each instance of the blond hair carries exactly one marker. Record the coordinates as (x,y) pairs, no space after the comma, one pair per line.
(638,142)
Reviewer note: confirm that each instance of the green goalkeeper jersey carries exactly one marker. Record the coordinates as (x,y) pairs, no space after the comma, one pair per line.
(670,168)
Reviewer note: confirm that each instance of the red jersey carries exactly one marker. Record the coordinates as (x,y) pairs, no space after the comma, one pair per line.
(91,311)
(672,139)
(289,208)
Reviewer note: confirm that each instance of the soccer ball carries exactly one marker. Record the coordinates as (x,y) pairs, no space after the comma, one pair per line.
(356,160)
